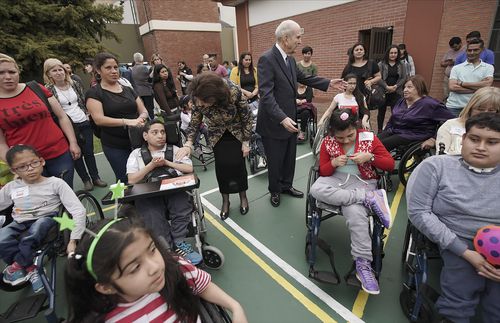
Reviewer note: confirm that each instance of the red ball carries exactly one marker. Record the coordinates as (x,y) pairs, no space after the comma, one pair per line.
(487,243)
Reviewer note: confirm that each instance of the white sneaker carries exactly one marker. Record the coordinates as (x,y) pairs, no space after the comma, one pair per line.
(262,162)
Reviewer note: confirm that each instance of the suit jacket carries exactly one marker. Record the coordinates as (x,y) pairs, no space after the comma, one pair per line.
(278,90)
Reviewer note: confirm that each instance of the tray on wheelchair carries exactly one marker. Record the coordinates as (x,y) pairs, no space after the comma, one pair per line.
(152,189)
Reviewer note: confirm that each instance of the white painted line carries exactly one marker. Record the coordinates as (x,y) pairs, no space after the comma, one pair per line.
(301,279)
(213,190)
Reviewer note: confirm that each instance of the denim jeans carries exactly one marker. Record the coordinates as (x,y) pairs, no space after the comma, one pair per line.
(117,158)
(56,166)
(87,157)
(22,250)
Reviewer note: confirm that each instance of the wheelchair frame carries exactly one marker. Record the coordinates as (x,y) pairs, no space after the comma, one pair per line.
(312,126)
(53,244)
(315,215)
(254,154)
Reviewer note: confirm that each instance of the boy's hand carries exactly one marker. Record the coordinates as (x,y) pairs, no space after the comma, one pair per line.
(158,162)
(483,267)
(71,247)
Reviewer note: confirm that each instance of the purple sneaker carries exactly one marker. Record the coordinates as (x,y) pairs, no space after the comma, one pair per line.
(378,203)
(365,275)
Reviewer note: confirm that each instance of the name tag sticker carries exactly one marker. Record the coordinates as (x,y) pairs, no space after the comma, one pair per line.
(20,193)
(457,131)
(366,136)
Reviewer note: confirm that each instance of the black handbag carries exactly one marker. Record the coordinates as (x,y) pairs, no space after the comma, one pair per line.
(376,97)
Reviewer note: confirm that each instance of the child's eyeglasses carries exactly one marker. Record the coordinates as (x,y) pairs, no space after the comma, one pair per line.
(24,168)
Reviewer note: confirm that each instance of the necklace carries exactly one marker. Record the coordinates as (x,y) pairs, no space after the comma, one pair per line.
(66,97)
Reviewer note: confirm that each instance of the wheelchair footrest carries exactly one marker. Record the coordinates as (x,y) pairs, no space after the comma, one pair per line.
(351,279)
(25,308)
(325,276)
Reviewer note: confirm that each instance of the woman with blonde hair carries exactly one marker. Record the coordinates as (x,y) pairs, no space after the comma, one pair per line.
(26,110)
(72,99)
(486,99)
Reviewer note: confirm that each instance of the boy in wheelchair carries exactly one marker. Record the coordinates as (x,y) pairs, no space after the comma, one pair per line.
(153,161)
(348,158)
(449,198)
(36,200)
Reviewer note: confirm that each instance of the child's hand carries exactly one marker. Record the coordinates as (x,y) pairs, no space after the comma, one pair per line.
(340,161)
(158,162)
(484,268)
(361,157)
(71,247)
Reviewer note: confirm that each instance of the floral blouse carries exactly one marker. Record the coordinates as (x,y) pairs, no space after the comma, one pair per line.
(236,118)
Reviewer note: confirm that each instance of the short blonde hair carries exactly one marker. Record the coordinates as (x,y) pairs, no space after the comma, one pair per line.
(49,64)
(483,96)
(7,59)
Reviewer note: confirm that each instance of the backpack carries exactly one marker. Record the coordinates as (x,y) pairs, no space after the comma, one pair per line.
(159,172)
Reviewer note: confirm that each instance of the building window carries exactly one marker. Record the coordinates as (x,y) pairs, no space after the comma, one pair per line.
(376,41)
(495,42)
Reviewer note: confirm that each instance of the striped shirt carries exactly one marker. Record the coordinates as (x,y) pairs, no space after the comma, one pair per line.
(152,307)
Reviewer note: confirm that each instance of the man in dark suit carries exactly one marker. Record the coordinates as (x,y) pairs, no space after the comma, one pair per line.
(276,122)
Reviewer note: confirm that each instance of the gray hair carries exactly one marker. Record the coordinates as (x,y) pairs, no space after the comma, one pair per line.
(138,58)
(285,28)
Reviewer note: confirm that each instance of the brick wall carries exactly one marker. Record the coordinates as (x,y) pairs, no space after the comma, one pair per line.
(460,17)
(331,31)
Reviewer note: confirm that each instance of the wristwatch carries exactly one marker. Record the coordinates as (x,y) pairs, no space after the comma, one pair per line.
(372,158)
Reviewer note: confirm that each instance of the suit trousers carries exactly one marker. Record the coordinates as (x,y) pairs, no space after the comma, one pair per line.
(280,155)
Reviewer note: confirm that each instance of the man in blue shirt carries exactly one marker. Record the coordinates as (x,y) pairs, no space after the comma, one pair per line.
(486,55)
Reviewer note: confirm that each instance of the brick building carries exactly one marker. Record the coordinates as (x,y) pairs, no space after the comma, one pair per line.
(331,27)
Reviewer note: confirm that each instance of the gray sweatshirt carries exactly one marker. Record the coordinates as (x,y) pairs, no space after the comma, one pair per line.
(448,202)
(32,201)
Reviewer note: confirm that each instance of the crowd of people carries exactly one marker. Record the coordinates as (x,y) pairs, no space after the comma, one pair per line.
(47,132)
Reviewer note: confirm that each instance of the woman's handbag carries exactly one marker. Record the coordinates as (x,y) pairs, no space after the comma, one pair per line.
(376,97)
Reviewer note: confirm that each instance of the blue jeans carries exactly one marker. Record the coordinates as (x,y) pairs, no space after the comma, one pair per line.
(117,158)
(87,157)
(56,166)
(22,250)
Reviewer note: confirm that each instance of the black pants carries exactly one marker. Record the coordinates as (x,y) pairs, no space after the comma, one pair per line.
(280,155)
(149,104)
(391,141)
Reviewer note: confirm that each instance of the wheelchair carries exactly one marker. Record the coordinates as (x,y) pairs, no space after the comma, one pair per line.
(205,154)
(312,123)
(53,245)
(213,258)
(317,212)
(254,154)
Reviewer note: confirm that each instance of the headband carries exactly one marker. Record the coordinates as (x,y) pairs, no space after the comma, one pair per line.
(93,245)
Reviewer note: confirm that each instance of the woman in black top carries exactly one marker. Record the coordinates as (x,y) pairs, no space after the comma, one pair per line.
(164,89)
(184,75)
(114,109)
(393,79)
(366,71)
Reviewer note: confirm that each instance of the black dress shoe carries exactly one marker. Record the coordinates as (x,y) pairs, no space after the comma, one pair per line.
(224,215)
(293,192)
(275,199)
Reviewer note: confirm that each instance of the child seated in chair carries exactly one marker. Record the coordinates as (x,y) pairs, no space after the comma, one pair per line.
(153,209)
(186,105)
(348,158)
(36,200)
(449,198)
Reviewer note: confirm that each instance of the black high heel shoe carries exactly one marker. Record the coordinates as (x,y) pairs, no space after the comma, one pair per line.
(244,210)
(225,215)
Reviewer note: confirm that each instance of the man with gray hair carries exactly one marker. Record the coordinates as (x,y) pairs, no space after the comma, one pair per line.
(276,122)
(140,77)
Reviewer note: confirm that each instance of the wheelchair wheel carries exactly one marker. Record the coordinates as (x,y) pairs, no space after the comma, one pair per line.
(407,300)
(92,207)
(410,160)
(212,257)
(408,247)
(312,129)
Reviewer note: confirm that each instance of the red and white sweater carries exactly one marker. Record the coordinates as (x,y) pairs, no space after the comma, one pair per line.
(369,143)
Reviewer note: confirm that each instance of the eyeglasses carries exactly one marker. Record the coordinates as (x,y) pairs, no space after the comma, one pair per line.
(24,168)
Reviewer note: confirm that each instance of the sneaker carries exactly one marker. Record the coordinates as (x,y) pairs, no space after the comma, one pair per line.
(14,275)
(365,275)
(262,163)
(35,280)
(378,203)
(185,250)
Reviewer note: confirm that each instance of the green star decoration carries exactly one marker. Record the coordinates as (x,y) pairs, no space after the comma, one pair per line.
(118,190)
(65,222)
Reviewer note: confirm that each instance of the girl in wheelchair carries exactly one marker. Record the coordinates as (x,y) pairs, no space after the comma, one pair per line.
(124,274)
(348,158)
(36,200)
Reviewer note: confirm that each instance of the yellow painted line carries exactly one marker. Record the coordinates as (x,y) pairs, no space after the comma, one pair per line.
(362,298)
(308,304)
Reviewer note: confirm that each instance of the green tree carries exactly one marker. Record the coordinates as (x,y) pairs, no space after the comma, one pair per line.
(71,30)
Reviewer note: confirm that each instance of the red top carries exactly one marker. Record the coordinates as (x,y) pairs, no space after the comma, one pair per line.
(26,120)
(366,141)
